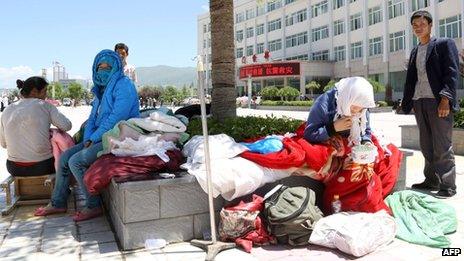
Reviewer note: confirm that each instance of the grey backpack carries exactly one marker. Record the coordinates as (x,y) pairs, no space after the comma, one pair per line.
(291,214)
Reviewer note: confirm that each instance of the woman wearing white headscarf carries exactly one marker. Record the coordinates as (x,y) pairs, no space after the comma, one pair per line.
(342,110)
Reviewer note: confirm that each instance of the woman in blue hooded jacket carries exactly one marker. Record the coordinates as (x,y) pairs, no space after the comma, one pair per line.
(115,100)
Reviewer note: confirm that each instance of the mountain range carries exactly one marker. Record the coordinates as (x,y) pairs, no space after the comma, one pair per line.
(166,75)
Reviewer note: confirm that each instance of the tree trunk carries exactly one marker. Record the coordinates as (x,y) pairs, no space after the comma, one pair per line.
(223,59)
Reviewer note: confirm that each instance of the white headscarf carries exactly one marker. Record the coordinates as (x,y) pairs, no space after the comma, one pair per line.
(354,91)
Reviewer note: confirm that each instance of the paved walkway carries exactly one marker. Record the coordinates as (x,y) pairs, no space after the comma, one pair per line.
(25,237)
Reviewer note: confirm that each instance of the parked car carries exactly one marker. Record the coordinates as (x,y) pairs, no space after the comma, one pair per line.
(67,102)
(53,102)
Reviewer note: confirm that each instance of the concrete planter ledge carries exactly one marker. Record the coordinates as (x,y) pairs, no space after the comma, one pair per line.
(172,209)
(410,138)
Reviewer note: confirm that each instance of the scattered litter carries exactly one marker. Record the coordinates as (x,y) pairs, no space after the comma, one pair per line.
(167,175)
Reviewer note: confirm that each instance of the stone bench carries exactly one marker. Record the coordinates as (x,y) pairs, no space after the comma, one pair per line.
(401,181)
(173,209)
(410,138)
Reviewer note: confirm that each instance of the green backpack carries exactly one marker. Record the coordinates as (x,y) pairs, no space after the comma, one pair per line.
(291,214)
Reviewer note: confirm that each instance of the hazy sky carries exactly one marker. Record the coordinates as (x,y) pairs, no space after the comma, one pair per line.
(34,33)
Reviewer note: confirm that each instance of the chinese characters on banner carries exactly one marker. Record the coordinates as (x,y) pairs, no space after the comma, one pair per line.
(270,69)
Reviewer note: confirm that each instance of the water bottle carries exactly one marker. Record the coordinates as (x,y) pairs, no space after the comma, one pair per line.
(336,204)
(155,243)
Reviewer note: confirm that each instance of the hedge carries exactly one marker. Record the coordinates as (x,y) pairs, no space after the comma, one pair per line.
(243,128)
(287,103)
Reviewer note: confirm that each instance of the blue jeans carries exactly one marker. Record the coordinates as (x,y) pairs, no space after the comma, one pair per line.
(75,161)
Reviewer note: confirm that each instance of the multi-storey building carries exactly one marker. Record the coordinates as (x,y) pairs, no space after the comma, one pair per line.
(370,38)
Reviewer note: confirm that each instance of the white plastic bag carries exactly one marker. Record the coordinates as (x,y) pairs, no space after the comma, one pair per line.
(354,233)
(221,146)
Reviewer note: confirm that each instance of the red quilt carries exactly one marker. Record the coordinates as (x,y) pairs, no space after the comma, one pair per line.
(360,187)
(100,173)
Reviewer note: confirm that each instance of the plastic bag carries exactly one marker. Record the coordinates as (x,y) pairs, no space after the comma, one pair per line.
(354,233)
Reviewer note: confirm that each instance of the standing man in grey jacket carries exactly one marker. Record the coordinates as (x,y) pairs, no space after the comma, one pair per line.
(430,88)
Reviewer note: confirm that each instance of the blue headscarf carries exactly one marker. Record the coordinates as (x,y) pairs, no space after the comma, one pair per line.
(102,78)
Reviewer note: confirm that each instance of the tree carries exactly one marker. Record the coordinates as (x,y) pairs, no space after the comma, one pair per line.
(147,91)
(378,87)
(76,92)
(270,93)
(329,85)
(170,94)
(288,93)
(223,59)
(58,91)
(312,86)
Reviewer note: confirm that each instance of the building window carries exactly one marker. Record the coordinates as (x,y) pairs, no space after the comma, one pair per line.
(209,43)
(240,17)
(296,17)
(204,43)
(274,25)
(352,1)
(355,22)
(339,52)
(375,15)
(397,41)
(356,50)
(320,33)
(451,27)
(250,32)
(296,39)
(395,8)
(260,48)
(260,10)
(276,4)
(239,53)
(319,8)
(275,45)
(338,3)
(302,57)
(321,55)
(375,46)
(239,35)
(249,14)
(204,28)
(209,27)
(339,27)
(260,29)
(249,50)
(289,1)
(419,4)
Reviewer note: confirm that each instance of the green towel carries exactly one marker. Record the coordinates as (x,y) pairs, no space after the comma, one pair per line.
(422,219)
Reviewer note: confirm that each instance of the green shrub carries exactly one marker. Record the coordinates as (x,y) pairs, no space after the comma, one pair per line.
(378,87)
(288,93)
(270,93)
(459,119)
(329,85)
(242,128)
(382,103)
(461,103)
(287,103)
